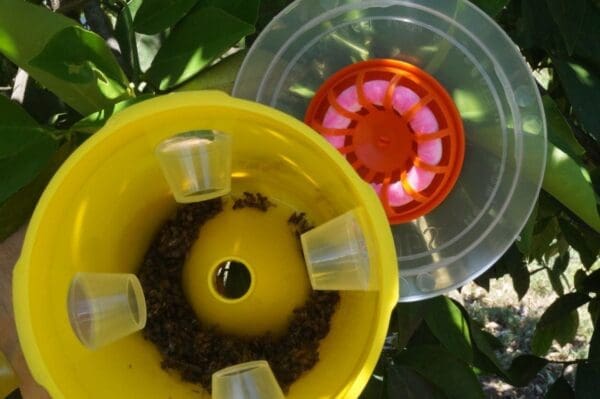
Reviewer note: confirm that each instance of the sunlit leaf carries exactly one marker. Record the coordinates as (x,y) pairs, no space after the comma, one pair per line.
(451,328)
(570,184)
(88,60)
(92,123)
(26,29)
(220,76)
(155,16)
(196,41)
(559,131)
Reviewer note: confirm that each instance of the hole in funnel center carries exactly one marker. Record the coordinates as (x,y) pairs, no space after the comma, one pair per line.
(232,279)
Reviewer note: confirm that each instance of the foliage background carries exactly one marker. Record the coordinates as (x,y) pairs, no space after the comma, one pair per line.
(68,65)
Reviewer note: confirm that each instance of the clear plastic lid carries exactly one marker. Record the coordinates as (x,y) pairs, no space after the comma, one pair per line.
(486,77)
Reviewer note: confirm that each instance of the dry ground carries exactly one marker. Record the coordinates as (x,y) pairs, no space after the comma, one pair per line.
(513,322)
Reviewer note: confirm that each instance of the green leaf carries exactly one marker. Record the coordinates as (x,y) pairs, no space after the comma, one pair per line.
(517,268)
(423,336)
(88,59)
(561,389)
(148,46)
(526,237)
(485,359)
(451,375)
(582,86)
(133,44)
(524,368)
(594,352)
(561,263)
(586,382)
(155,16)
(588,45)
(125,35)
(493,342)
(594,309)
(17,209)
(570,184)
(246,10)
(26,29)
(446,321)
(375,388)
(92,123)
(535,27)
(484,345)
(559,321)
(588,374)
(578,278)
(25,147)
(556,273)
(13,119)
(483,280)
(491,7)
(559,132)
(569,16)
(220,76)
(513,263)
(578,242)
(555,281)
(591,283)
(545,231)
(402,382)
(195,42)
(408,318)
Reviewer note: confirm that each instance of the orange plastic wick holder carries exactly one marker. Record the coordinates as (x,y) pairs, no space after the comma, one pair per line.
(380,143)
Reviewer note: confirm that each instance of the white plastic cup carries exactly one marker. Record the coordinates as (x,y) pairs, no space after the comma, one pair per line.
(251,380)
(196,165)
(336,255)
(104,307)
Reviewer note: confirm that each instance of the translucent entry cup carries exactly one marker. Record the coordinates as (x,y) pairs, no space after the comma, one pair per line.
(336,254)
(252,380)
(104,307)
(196,165)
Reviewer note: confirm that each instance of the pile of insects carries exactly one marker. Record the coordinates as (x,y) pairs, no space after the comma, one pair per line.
(197,350)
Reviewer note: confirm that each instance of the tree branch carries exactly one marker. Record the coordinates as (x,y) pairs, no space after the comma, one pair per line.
(19,87)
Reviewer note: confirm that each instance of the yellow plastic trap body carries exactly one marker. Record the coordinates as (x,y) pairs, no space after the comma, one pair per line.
(102,208)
